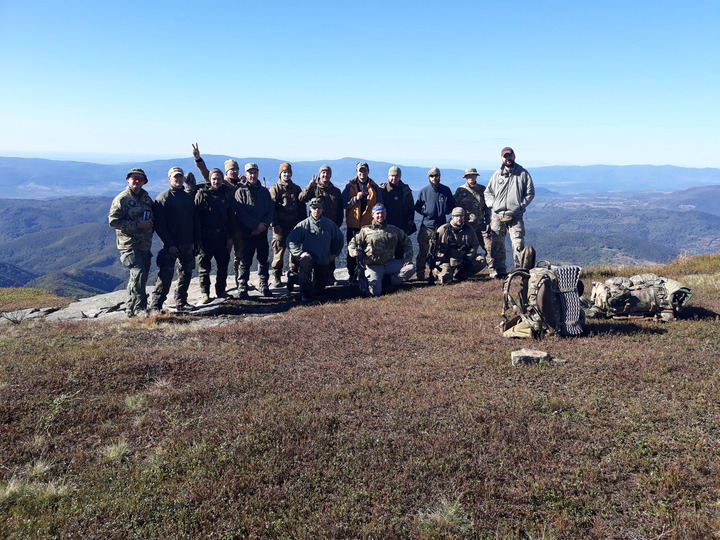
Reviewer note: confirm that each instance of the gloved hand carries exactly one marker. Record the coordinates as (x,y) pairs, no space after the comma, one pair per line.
(190,180)
(174,251)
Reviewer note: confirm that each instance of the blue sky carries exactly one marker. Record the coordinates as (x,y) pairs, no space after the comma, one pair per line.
(416,83)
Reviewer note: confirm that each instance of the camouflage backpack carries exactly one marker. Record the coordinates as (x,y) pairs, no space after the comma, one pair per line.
(547,300)
(643,295)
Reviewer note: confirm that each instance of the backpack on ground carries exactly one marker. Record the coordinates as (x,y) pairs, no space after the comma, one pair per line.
(643,295)
(541,301)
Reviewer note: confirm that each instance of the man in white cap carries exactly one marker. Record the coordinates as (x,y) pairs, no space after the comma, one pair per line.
(178,226)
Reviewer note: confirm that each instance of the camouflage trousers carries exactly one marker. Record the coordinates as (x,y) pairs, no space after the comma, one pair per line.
(445,272)
(424,236)
(485,237)
(138,262)
(167,264)
(498,230)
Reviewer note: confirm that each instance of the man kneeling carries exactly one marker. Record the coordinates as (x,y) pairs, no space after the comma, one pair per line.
(314,243)
(455,250)
(388,251)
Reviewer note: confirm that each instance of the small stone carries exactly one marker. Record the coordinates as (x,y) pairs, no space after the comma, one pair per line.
(529,356)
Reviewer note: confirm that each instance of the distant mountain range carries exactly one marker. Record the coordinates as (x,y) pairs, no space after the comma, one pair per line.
(32,178)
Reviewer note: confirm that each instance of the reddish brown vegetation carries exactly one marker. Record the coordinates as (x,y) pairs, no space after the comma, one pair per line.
(358,419)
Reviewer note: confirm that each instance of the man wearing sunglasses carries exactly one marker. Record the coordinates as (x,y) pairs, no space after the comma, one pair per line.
(434,203)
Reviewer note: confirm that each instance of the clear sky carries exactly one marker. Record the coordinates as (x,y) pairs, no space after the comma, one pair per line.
(416,83)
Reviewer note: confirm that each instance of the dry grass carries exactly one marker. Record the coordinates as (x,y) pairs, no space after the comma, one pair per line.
(393,417)
(17,298)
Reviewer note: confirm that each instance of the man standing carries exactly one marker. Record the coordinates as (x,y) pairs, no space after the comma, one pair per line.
(289,211)
(471,197)
(360,195)
(434,203)
(178,226)
(508,194)
(388,251)
(253,214)
(314,243)
(399,201)
(214,202)
(132,218)
(321,187)
(455,251)
(233,180)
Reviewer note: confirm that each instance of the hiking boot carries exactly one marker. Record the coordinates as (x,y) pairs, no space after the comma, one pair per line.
(264,290)
(222,294)
(275,280)
(183,307)
(205,299)
(420,275)
(292,279)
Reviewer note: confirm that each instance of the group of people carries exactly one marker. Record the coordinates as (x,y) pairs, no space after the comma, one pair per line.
(232,213)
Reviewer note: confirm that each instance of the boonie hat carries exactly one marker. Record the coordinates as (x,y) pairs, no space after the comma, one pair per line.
(137,172)
(472,171)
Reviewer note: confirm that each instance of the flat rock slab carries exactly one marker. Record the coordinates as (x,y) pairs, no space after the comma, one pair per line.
(111,306)
(529,356)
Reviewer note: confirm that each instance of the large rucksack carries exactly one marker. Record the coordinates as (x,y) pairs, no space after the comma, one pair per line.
(543,300)
(643,295)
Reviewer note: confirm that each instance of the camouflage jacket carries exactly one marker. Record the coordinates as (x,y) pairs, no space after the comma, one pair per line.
(382,242)
(126,212)
(289,211)
(331,197)
(456,243)
(472,199)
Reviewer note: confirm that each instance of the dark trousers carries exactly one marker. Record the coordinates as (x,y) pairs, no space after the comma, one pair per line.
(254,246)
(214,247)
(185,263)
(351,262)
(313,277)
